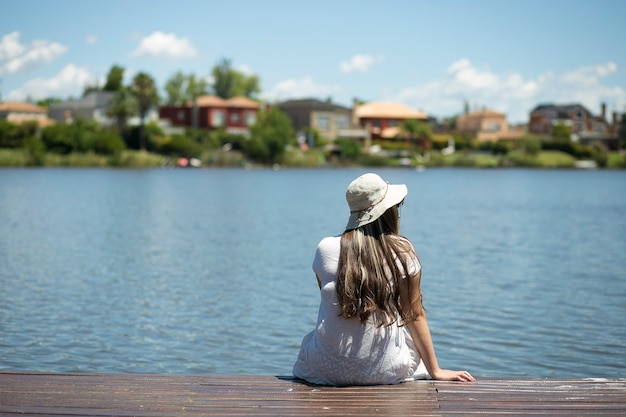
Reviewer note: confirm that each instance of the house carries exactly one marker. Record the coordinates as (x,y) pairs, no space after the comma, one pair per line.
(486,125)
(585,127)
(580,120)
(92,106)
(329,119)
(18,112)
(382,120)
(235,115)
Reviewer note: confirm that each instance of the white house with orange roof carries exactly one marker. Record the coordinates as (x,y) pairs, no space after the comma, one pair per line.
(19,112)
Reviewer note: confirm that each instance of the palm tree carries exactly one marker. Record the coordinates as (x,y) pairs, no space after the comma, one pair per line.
(121,107)
(145,91)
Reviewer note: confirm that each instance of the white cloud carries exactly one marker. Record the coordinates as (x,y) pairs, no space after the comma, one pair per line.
(589,75)
(244,69)
(16,57)
(91,39)
(359,63)
(511,92)
(302,88)
(165,45)
(70,81)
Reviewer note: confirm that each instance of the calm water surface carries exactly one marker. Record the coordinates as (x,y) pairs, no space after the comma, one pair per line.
(209,271)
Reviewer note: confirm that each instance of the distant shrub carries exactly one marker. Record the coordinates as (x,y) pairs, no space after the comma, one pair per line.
(531,146)
(58,139)
(13,135)
(151,131)
(575,149)
(348,149)
(36,151)
(180,146)
(9,135)
(105,143)
(495,147)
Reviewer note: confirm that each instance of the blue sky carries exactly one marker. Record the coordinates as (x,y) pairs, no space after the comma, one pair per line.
(430,55)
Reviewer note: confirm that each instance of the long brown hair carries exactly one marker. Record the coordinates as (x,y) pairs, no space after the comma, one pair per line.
(373,265)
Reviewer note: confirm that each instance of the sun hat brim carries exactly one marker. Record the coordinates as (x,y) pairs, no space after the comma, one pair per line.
(395,193)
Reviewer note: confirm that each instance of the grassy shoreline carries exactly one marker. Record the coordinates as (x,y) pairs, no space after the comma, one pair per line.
(20,158)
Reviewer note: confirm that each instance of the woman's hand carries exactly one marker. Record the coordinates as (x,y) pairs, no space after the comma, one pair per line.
(447,375)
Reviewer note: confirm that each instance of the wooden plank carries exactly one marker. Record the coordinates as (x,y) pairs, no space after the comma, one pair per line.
(590,397)
(166,395)
(39,394)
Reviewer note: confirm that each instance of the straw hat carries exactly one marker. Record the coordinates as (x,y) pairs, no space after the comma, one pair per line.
(369,196)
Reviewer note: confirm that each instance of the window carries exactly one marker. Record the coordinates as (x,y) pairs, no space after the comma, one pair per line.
(376,122)
(250,119)
(217,118)
(322,122)
(342,122)
(181,115)
(393,123)
(234,118)
(493,127)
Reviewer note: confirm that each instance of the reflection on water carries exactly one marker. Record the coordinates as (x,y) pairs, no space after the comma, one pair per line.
(208,271)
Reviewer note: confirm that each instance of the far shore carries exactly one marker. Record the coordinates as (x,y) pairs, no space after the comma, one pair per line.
(306,159)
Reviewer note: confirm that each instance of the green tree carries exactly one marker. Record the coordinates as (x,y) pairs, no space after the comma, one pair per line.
(223,79)
(228,82)
(46,102)
(247,86)
(145,92)
(175,89)
(182,88)
(561,132)
(271,133)
(122,106)
(115,79)
(91,86)
(418,133)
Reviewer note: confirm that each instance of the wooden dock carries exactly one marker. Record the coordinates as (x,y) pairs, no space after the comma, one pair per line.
(41,394)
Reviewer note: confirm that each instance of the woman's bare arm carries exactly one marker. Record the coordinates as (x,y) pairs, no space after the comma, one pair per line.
(420,332)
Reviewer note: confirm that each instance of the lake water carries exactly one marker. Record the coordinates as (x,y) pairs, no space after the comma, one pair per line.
(209,271)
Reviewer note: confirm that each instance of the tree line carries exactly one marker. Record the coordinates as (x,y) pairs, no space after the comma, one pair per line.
(269,136)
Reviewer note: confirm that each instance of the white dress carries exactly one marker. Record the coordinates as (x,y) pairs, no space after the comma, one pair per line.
(342,351)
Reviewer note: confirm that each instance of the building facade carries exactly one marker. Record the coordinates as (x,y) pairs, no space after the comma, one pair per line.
(329,119)
(581,121)
(18,112)
(585,128)
(487,125)
(93,106)
(235,115)
(382,121)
